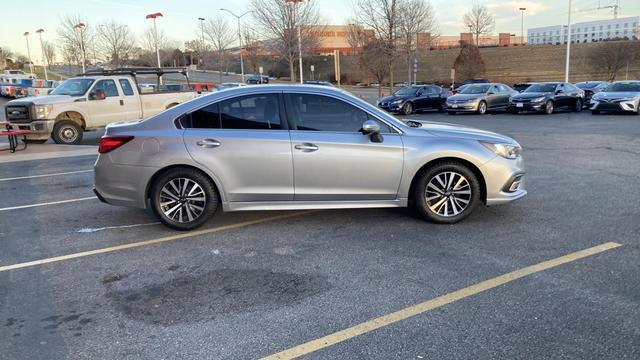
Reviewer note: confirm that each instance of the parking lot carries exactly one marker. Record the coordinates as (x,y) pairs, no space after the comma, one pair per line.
(80,279)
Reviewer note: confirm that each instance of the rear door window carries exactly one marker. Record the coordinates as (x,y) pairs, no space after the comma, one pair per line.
(256,112)
(126,87)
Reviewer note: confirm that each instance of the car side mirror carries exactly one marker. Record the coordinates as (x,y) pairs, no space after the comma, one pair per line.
(97,95)
(372,128)
(559,92)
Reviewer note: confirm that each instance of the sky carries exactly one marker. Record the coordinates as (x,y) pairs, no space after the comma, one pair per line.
(180,17)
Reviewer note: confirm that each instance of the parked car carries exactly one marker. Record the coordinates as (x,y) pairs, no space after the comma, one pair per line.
(258,79)
(471,81)
(318,82)
(480,98)
(547,97)
(415,98)
(286,147)
(230,85)
(89,102)
(520,87)
(590,88)
(620,96)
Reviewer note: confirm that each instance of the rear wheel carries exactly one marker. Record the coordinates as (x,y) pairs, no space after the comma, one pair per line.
(482,108)
(447,193)
(549,107)
(578,107)
(67,132)
(183,199)
(407,109)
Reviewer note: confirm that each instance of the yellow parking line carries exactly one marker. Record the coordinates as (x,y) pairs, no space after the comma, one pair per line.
(150,242)
(420,308)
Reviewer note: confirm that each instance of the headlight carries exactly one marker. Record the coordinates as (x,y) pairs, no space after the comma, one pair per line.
(508,151)
(539,99)
(397,101)
(43,111)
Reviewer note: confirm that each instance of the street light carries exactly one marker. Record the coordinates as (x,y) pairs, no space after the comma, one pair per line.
(81,26)
(155,38)
(239,39)
(202,37)
(26,37)
(522,9)
(566,70)
(44,55)
(295,16)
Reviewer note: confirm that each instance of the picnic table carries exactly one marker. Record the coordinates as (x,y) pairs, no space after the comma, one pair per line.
(13,136)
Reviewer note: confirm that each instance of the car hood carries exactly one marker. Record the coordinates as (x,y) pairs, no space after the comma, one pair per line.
(462,132)
(617,95)
(395,97)
(45,100)
(531,95)
(465,96)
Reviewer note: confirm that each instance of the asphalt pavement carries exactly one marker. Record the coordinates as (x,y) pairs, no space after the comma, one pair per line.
(257,283)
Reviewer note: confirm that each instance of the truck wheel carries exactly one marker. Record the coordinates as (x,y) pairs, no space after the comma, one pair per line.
(67,132)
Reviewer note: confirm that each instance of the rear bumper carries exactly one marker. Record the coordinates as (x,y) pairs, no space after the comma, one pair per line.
(122,185)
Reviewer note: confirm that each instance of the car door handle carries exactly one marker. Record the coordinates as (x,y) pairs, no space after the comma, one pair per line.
(208,143)
(121,102)
(306,147)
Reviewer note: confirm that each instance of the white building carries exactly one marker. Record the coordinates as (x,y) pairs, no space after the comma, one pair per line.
(585,32)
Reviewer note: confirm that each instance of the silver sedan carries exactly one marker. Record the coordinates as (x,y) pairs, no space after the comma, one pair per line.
(285,147)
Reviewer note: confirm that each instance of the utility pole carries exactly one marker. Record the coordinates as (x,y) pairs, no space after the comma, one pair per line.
(202,39)
(522,9)
(566,71)
(295,17)
(26,37)
(44,54)
(239,39)
(155,38)
(81,26)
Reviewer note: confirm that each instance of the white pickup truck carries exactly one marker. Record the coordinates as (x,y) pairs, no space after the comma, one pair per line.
(92,101)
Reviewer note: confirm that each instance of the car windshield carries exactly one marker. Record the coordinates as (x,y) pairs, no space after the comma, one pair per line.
(624,87)
(73,87)
(588,85)
(541,88)
(409,90)
(475,89)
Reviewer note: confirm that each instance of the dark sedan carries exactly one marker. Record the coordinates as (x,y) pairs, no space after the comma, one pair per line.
(480,98)
(258,79)
(414,98)
(548,97)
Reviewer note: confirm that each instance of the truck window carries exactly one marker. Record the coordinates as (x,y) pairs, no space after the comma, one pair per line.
(108,86)
(126,87)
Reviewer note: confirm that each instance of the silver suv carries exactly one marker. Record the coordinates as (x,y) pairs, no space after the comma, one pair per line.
(285,147)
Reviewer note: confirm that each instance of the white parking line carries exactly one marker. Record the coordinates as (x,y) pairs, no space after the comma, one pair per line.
(46,175)
(47,203)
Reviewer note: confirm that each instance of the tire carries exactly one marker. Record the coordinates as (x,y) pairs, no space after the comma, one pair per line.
(67,132)
(178,212)
(549,107)
(578,107)
(429,202)
(595,112)
(482,108)
(407,108)
(451,112)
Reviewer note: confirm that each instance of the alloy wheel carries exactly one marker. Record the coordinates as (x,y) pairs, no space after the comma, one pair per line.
(182,200)
(482,108)
(549,107)
(448,194)
(407,109)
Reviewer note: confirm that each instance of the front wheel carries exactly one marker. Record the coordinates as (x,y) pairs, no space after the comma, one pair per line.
(67,132)
(549,107)
(183,199)
(482,108)
(447,193)
(407,109)
(578,107)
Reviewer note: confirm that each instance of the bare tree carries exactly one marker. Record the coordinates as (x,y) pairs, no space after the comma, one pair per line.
(73,40)
(416,16)
(383,16)
(221,36)
(5,56)
(252,47)
(479,21)
(49,52)
(115,42)
(374,60)
(165,44)
(280,20)
(356,36)
(609,57)
(469,63)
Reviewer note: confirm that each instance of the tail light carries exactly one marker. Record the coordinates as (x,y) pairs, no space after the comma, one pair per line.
(110,143)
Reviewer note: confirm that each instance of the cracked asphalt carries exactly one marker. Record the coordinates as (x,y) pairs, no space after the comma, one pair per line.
(251,291)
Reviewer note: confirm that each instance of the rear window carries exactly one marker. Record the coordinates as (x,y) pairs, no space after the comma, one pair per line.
(251,112)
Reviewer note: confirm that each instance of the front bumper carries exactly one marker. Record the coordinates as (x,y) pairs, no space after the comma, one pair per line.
(616,106)
(40,129)
(391,107)
(504,179)
(525,106)
(463,107)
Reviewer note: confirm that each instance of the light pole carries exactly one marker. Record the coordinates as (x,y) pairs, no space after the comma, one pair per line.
(26,37)
(239,39)
(295,17)
(522,9)
(81,26)
(153,17)
(44,54)
(566,70)
(201,19)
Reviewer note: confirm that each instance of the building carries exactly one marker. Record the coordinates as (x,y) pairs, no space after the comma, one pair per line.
(452,41)
(586,32)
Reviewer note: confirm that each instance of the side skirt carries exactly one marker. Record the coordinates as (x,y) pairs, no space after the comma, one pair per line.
(305,205)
